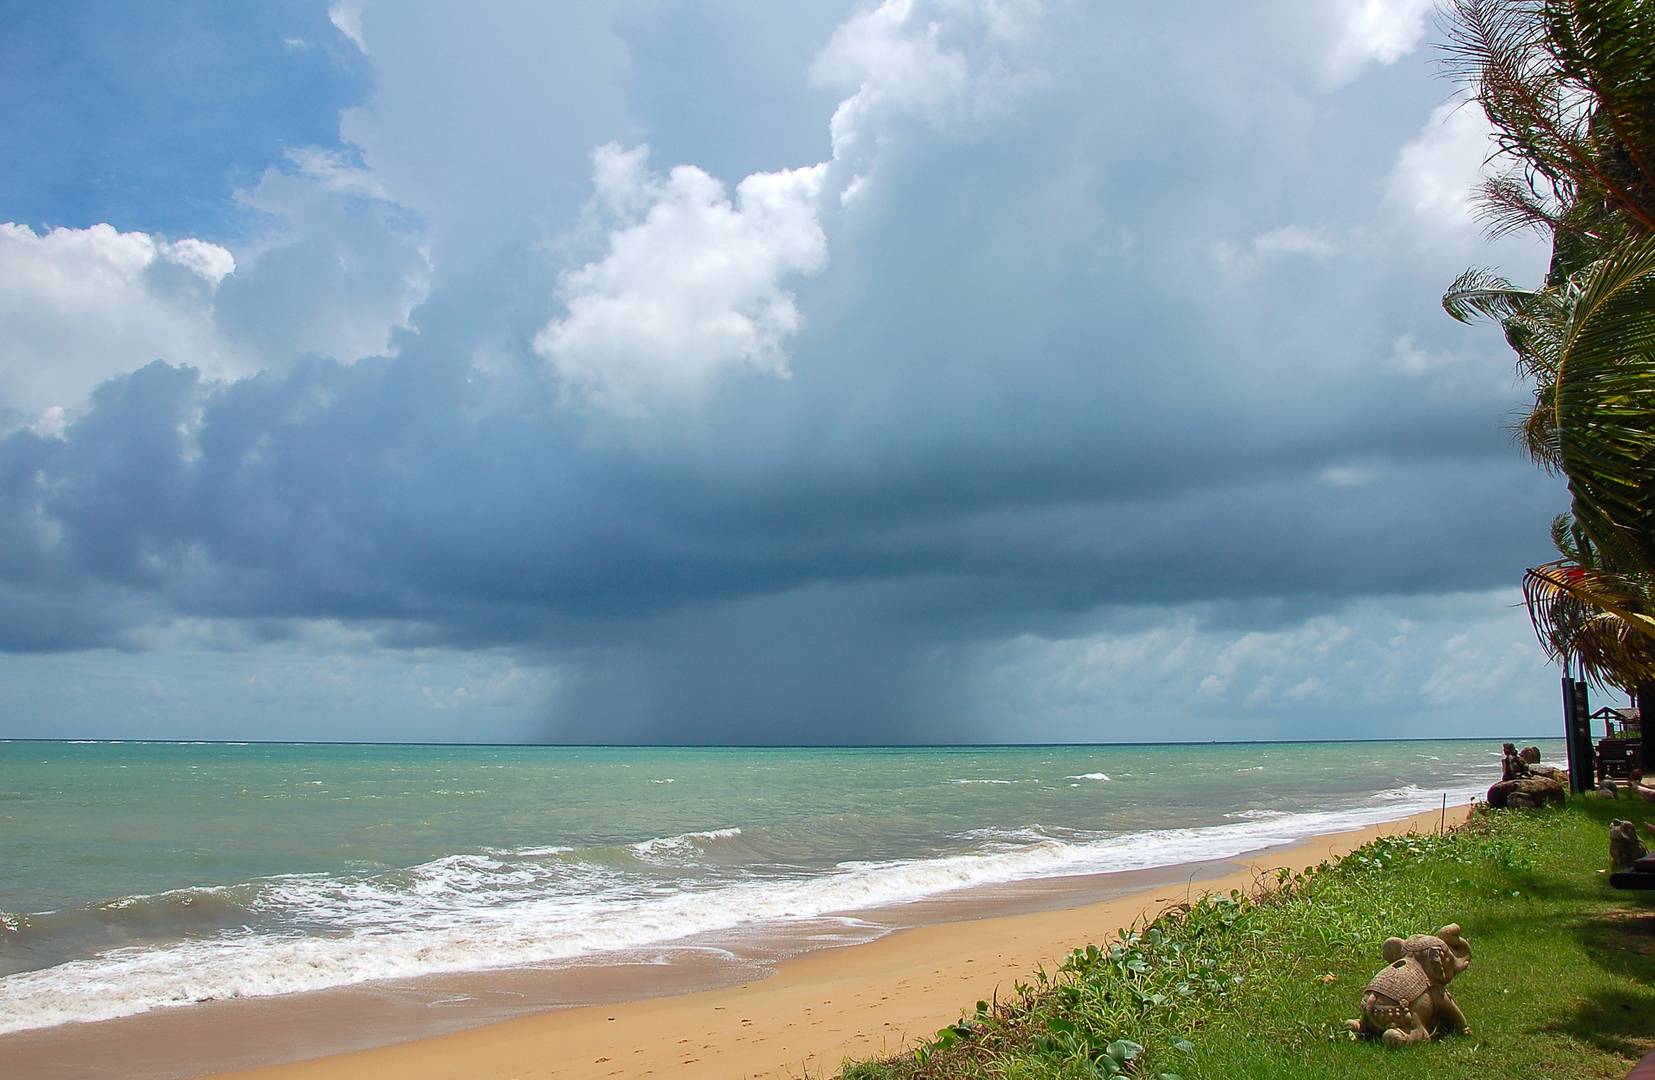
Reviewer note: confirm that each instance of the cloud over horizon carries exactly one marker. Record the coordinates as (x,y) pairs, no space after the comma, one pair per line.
(992,346)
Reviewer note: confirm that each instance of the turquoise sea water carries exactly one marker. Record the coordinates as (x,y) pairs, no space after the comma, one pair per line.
(141,875)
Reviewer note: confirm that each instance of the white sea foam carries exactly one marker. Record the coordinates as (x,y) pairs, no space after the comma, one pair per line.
(1029,834)
(1089,776)
(682,844)
(488,911)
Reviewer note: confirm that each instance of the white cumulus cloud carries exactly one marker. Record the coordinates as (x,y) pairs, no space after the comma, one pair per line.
(80,305)
(950,65)
(1437,171)
(346,17)
(1287,241)
(691,283)
(1375,31)
(1295,240)
(335,171)
(209,261)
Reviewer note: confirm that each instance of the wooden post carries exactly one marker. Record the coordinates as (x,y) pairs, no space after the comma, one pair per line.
(1583,731)
(1644,699)
(1569,729)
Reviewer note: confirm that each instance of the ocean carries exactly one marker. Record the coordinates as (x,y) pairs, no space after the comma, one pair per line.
(136,876)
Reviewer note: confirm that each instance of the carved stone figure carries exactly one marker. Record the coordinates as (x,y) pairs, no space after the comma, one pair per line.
(1512,765)
(1625,848)
(1408,1001)
(1526,793)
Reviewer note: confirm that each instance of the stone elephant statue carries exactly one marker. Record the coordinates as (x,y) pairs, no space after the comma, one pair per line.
(1408,1001)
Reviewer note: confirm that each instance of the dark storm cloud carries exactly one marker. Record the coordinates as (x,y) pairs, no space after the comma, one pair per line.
(1026,391)
(383,491)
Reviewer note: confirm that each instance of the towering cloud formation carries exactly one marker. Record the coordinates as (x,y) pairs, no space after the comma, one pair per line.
(898,381)
(690,283)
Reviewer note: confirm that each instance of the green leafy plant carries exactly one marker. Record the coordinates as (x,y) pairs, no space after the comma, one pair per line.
(1258,985)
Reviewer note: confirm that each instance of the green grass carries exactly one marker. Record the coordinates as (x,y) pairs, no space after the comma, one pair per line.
(1561,984)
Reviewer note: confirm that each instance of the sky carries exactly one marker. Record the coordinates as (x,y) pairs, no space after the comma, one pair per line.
(903,371)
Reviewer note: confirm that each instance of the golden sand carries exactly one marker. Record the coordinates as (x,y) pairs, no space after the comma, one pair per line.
(815,1011)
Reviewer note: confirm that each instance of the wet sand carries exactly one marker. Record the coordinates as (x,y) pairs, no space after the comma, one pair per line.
(734,1011)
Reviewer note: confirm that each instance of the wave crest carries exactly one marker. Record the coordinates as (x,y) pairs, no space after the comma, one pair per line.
(682,845)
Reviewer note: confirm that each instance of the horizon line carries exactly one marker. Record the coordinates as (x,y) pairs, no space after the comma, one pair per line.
(754,746)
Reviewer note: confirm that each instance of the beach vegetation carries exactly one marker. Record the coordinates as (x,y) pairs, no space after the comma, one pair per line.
(1568,87)
(1259,984)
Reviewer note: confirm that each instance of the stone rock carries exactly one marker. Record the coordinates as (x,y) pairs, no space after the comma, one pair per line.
(1512,765)
(1546,772)
(1608,791)
(1530,754)
(1624,846)
(1408,1001)
(1526,793)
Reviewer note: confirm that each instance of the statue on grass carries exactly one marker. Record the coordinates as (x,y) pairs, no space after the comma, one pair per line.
(1408,1001)
(1625,848)
(1524,764)
(1525,784)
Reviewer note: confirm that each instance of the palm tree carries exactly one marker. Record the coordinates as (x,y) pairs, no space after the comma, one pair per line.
(1590,605)
(1570,88)
(1585,613)
(1567,86)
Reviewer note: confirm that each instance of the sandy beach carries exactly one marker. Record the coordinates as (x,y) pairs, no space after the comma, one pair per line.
(814,1011)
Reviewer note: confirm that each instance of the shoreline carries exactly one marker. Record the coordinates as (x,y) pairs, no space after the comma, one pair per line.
(811,1008)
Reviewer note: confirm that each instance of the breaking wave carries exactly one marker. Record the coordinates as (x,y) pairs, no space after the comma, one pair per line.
(545,905)
(684,844)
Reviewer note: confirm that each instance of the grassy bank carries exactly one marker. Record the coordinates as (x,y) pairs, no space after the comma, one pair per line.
(1562,981)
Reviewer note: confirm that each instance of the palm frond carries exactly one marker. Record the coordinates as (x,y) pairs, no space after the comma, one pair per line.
(1587,616)
(1507,205)
(1481,293)
(1567,95)
(1566,539)
(1608,48)
(1536,431)
(1605,406)
(1532,320)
